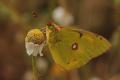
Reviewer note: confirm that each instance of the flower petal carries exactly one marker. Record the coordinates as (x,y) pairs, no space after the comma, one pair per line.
(41,48)
(36,50)
(29,47)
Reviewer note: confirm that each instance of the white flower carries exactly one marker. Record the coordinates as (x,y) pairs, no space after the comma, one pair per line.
(34,42)
(34,49)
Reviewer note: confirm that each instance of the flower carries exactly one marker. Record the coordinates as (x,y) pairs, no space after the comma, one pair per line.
(34,42)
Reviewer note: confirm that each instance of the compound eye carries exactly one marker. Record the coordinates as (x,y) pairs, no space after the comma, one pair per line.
(51,27)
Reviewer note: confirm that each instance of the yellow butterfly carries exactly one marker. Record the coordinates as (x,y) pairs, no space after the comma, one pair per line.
(73,48)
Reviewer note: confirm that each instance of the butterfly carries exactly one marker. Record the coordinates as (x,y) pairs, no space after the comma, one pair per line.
(72,48)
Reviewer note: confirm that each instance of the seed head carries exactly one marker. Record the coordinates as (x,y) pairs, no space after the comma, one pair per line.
(35,36)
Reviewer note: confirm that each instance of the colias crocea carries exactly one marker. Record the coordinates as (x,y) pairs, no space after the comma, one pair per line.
(73,48)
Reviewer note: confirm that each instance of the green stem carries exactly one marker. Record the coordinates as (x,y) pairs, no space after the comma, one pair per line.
(34,66)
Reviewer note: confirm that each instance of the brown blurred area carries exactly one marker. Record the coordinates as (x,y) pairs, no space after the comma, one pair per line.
(17,17)
(12,62)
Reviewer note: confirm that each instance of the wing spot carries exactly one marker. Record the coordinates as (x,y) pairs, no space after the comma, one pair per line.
(74,46)
(81,34)
(73,60)
(100,38)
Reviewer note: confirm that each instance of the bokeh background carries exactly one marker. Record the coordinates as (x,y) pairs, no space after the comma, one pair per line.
(17,17)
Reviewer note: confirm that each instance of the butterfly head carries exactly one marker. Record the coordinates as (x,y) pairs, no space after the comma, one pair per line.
(52,27)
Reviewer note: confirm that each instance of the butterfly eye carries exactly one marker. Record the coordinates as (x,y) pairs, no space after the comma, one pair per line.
(51,27)
(74,46)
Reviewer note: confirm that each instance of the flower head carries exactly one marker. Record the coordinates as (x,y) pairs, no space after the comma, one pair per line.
(35,41)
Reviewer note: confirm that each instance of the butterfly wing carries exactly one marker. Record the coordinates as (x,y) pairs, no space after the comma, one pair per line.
(72,48)
(93,44)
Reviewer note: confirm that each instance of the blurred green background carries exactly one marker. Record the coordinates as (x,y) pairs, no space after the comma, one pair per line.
(17,17)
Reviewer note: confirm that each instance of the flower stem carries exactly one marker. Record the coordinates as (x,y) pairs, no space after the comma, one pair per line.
(34,66)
